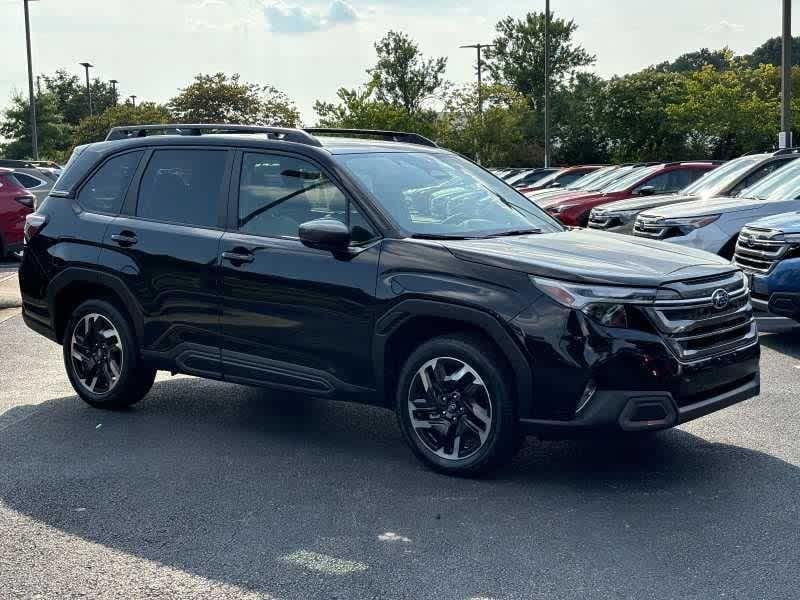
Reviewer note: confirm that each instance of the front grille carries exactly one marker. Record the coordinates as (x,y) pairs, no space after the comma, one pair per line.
(757,251)
(705,316)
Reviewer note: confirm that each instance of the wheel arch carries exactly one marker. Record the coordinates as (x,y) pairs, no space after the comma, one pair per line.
(75,285)
(412,322)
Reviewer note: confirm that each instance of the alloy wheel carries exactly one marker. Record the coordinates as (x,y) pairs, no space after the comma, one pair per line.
(96,353)
(450,408)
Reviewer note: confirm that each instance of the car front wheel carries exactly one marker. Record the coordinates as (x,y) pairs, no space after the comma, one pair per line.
(455,405)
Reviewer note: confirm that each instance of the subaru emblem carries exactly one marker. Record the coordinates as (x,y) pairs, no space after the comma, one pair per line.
(720,299)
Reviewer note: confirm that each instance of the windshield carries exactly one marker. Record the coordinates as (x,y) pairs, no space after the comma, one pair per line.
(631,179)
(443,195)
(551,177)
(589,179)
(777,186)
(714,182)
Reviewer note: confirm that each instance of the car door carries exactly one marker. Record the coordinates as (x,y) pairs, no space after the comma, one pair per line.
(295,317)
(165,247)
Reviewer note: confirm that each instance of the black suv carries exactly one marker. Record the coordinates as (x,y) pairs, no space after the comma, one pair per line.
(382,270)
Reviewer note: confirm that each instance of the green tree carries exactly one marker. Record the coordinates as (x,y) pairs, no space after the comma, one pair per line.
(635,118)
(769,53)
(360,109)
(403,76)
(579,134)
(517,57)
(220,98)
(69,92)
(731,112)
(95,128)
(694,61)
(53,134)
(497,137)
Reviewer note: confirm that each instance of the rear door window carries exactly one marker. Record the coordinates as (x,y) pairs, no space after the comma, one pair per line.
(106,189)
(183,186)
(28,181)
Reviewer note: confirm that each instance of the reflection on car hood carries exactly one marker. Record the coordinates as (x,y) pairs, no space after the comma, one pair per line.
(646,202)
(699,208)
(566,199)
(590,256)
(785,222)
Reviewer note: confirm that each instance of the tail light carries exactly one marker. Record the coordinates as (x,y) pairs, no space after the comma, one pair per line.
(33,225)
(26,200)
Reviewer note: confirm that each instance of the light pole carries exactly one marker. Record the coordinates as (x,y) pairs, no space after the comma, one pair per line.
(478,48)
(86,66)
(785,136)
(133,100)
(547,83)
(114,83)
(31,97)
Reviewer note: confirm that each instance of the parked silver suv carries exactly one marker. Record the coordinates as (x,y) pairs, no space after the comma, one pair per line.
(713,225)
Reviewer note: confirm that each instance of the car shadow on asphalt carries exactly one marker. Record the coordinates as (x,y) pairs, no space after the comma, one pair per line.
(251,488)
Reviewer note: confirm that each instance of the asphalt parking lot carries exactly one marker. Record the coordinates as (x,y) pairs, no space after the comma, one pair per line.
(213,490)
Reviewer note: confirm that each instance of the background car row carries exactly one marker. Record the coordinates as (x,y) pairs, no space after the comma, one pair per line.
(746,210)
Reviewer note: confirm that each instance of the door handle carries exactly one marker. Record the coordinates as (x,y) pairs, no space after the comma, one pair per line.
(125,238)
(238,257)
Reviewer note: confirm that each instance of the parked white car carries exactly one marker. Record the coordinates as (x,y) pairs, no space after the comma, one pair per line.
(714,225)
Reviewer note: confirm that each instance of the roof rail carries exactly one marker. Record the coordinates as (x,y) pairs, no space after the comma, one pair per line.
(792,150)
(389,136)
(282,133)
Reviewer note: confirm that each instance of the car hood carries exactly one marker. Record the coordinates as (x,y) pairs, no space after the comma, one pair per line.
(699,208)
(589,256)
(785,222)
(647,202)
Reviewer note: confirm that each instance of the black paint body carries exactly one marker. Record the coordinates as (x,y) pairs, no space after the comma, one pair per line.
(340,324)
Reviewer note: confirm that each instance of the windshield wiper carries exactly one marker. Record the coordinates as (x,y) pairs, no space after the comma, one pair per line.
(442,236)
(511,232)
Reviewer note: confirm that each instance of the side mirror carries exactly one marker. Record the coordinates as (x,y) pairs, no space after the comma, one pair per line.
(325,234)
(647,190)
(555,184)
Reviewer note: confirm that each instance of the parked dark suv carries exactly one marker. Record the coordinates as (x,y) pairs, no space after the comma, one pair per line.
(382,270)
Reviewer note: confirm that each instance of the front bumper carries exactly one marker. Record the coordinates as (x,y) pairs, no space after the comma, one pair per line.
(639,381)
(778,292)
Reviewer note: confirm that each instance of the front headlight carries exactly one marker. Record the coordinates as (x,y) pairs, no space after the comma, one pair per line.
(622,215)
(792,238)
(605,304)
(689,223)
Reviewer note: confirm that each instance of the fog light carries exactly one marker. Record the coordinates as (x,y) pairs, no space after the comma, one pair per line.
(610,315)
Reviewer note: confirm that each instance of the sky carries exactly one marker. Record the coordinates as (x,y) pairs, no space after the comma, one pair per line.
(310,49)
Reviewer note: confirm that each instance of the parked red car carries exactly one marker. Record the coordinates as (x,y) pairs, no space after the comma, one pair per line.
(561,178)
(665,178)
(15,204)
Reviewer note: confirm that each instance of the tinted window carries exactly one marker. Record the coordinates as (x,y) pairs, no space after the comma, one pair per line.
(758,174)
(565,180)
(671,181)
(183,186)
(105,190)
(279,193)
(28,181)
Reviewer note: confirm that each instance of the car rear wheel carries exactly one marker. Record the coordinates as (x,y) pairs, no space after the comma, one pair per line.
(455,405)
(102,358)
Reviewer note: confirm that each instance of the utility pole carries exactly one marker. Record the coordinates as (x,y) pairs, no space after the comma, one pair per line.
(479,48)
(785,136)
(114,83)
(31,97)
(133,100)
(547,83)
(87,65)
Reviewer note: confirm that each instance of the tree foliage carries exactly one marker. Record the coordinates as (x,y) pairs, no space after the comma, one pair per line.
(694,61)
(71,101)
(402,76)
(517,58)
(220,98)
(95,129)
(769,53)
(16,127)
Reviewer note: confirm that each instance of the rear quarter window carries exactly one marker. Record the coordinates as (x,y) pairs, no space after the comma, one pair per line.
(105,190)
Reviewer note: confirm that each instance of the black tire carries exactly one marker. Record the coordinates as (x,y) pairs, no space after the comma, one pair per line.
(502,439)
(135,378)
